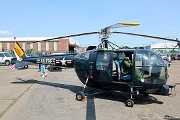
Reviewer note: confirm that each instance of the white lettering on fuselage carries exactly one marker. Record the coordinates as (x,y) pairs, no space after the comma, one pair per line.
(48,61)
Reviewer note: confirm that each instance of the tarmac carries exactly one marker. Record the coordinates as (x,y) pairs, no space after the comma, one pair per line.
(25,95)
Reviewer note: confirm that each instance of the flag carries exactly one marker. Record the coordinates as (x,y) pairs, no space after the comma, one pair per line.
(12,66)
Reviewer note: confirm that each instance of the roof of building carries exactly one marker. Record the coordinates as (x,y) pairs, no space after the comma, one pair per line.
(164,45)
(25,39)
(72,42)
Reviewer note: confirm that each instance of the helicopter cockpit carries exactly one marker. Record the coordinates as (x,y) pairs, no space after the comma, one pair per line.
(149,67)
(143,66)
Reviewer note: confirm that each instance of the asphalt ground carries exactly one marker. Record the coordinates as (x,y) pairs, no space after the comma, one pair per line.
(25,95)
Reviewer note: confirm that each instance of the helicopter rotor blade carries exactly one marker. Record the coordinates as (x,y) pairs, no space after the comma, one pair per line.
(149,36)
(177,44)
(175,47)
(117,25)
(73,35)
(123,24)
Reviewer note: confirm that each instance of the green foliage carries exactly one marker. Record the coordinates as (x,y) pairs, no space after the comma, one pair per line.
(29,50)
(38,53)
(173,51)
(125,47)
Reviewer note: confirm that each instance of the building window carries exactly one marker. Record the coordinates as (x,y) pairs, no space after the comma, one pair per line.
(31,45)
(23,45)
(55,46)
(8,45)
(39,46)
(0,46)
(47,46)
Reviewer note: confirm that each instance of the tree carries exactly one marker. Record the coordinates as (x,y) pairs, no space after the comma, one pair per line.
(29,50)
(173,51)
(125,47)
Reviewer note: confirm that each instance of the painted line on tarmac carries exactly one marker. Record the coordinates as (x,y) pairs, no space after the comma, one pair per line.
(14,101)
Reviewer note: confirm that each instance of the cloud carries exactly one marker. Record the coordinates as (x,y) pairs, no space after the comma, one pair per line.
(5,32)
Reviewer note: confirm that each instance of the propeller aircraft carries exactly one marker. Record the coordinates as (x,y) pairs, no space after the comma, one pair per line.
(50,59)
(137,71)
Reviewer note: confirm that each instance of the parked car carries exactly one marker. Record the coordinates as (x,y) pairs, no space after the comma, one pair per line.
(178,57)
(6,58)
(173,57)
(164,57)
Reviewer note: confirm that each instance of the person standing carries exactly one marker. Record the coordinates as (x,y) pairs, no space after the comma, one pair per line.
(168,60)
(43,70)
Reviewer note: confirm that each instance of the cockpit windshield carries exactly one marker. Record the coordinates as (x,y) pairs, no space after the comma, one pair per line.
(83,55)
(149,67)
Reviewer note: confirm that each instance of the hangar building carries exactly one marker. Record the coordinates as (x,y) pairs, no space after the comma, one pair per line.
(63,45)
(164,46)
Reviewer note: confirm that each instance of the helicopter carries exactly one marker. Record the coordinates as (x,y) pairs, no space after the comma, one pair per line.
(100,67)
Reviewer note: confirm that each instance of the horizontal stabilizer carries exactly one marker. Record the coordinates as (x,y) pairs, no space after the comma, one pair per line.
(21,64)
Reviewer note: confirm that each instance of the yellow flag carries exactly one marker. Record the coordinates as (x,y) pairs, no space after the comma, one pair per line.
(18,50)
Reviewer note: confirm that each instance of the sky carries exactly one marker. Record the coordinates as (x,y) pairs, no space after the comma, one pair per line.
(54,18)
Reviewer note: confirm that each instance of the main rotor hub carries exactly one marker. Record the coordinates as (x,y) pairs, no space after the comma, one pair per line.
(105,33)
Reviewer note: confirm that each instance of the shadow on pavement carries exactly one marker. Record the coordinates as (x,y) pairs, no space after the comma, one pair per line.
(109,95)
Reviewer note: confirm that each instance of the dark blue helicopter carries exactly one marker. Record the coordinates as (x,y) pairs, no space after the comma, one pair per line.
(103,66)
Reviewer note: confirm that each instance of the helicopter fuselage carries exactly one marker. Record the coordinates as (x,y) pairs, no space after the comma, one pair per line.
(148,70)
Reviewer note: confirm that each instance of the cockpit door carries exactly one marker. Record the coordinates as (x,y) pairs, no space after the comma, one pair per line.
(104,66)
(149,68)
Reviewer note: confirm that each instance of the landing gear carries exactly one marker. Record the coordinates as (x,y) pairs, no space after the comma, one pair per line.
(26,66)
(129,103)
(80,96)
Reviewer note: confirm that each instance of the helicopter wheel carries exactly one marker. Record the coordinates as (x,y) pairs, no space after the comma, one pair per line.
(129,103)
(80,96)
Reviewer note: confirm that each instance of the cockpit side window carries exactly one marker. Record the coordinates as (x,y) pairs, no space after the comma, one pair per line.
(102,61)
(149,68)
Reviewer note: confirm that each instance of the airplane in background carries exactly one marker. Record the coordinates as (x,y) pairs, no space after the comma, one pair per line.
(50,59)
